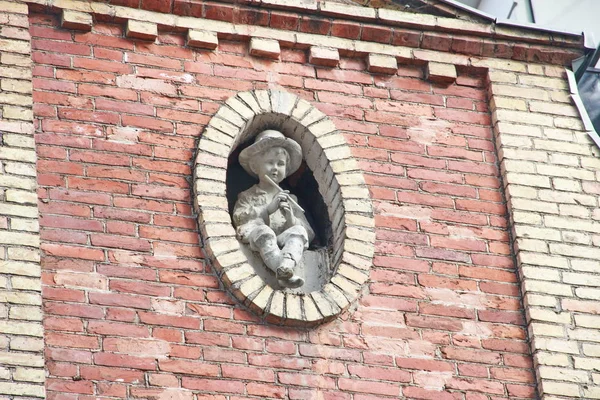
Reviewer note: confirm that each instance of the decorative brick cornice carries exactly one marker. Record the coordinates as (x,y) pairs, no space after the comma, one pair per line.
(347,28)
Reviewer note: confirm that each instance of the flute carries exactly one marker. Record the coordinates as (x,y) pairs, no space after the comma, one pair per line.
(281,190)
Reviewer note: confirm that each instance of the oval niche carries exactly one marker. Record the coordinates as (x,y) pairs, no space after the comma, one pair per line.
(337,263)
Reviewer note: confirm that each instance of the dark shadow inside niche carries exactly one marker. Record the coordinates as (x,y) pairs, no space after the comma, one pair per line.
(301,183)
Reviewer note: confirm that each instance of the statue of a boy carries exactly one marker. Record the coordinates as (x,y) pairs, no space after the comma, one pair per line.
(267,217)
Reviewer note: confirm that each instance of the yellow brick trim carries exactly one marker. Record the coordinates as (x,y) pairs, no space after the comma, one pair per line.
(20,276)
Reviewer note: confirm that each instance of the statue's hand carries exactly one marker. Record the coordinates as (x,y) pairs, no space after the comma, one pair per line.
(275,203)
(286,209)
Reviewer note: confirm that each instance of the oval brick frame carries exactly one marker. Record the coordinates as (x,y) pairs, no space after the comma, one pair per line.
(340,182)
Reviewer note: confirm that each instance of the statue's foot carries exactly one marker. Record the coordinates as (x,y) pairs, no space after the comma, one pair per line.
(284,272)
(293,282)
(286,269)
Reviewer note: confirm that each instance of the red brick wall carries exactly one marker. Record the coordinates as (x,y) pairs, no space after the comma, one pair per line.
(132,310)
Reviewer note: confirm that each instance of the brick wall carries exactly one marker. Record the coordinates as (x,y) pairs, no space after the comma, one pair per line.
(551,176)
(21,344)
(132,308)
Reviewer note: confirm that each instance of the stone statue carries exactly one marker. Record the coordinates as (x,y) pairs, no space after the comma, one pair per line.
(268,218)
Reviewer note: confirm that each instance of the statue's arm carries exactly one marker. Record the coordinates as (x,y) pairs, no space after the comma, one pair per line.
(247,208)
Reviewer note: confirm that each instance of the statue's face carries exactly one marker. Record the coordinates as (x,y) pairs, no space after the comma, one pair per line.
(273,163)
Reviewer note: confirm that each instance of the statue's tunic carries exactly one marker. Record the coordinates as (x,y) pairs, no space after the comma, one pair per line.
(250,215)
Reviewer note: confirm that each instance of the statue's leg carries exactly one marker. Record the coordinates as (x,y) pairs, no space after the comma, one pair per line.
(294,241)
(263,240)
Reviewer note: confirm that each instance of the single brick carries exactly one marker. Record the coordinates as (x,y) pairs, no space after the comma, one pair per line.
(440,72)
(382,64)
(324,56)
(141,30)
(267,48)
(202,39)
(76,20)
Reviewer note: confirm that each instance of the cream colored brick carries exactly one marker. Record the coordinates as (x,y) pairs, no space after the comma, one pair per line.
(537,233)
(537,329)
(17,224)
(382,64)
(568,185)
(15,99)
(534,205)
(563,374)
(9,153)
(564,159)
(11,112)
(588,293)
(22,389)
(15,59)
(202,39)
(559,388)
(585,265)
(535,246)
(17,182)
(29,375)
(539,273)
(440,72)
(499,64)
(266,48)
(586,363)
(553,108)
(522,191)
(562,147)
(516,129)
(559,134)
(575,251)
(545,358)
(23,239)
(541,300)
(529,155)
(523,167)
(508,140)
(519,91)
(545,315)
(522,117)
(324,56)
(592,350)
(555,345)
(528,180)
(20,268)
(13,85)
(567,198)
(508,103)
(17,168)
(16,140)
(569,123)
(20,297)
(76,20)
(25,313)
(590,162)
(589,335)
(21,197)
(541,81)
(576,237)
(21,359)
(590,392)
(543,260)
(544,287)
(571,210)
(141,30)
(15,73)
(24,343)
(576,173)
(15,46)
(502,76)
(22,283)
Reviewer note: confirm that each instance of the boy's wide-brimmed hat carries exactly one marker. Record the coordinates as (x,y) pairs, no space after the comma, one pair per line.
(267,140)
